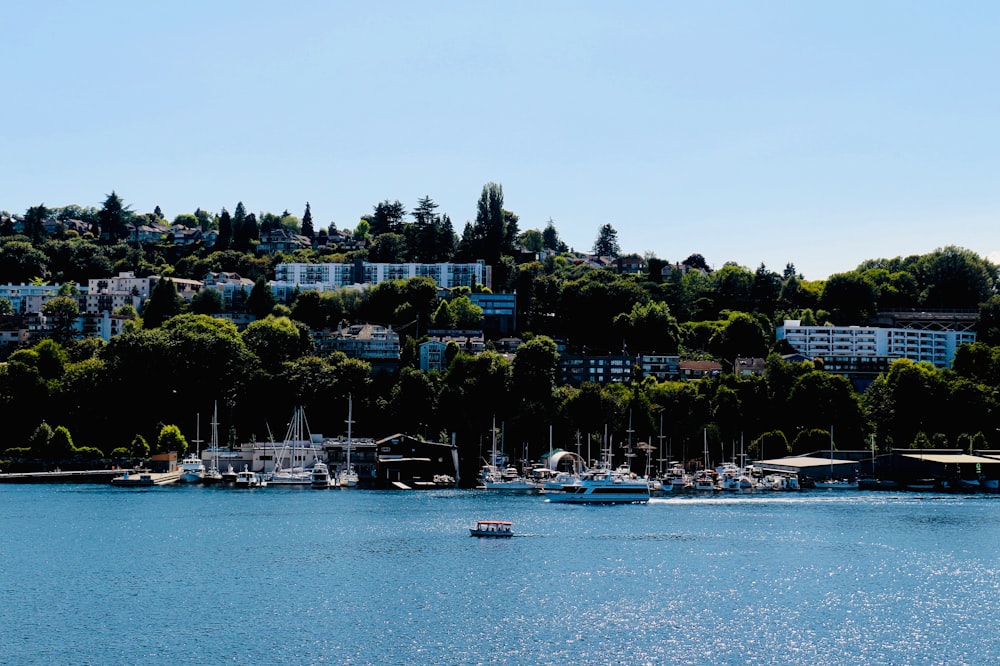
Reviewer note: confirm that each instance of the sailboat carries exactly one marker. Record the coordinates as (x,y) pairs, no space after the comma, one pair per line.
(832,482)
(349,475)
(505,480)
(294,474)
(212,473)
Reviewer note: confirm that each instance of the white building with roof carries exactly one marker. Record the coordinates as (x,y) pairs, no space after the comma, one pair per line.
(936,347)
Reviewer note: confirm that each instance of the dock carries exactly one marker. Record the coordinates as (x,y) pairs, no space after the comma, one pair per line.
(144,479)
(75,476)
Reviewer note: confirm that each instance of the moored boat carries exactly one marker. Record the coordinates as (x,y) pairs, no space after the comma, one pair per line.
(321,479)
(192,469)
(248,479)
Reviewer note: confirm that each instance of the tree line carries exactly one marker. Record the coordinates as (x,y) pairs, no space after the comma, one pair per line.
(175,361)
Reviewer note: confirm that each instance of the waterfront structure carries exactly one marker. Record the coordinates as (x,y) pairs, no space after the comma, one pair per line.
(936,347)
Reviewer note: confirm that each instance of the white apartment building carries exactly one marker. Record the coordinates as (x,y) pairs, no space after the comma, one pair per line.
(109,294)
(935,347)
(28,297)
(330,277)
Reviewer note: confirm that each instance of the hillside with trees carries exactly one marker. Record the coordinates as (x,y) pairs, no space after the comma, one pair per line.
(66,400)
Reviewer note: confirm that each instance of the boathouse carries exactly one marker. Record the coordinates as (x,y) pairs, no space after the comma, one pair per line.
(812,467)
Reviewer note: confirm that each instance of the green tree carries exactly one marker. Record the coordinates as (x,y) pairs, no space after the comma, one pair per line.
(62,313)
(171,439)
(113,217)
(468,315)
(164,302)
(606,244)
(139,448)
(550,238)
(275,340)
(307,223)
(207,301)
(34,219)
(849,298)
(61,443)
(648,327)
(388,218)
(261,300)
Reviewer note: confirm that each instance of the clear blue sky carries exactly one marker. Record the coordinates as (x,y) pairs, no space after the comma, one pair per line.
(818,133)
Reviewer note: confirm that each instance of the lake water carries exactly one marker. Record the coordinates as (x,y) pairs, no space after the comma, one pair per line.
(98,575)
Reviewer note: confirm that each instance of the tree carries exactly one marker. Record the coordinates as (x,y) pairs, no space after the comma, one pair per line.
(6,307)
(164,302)
(113,217)
(139,448)
(275,340)
(850,299)
(207,301)
(225,238)
(388,218)
(261,300)
(606,244)
(307,223)
(550,238)
(34,219)
(171,439)
(62,312)
(648,327)
(468,315)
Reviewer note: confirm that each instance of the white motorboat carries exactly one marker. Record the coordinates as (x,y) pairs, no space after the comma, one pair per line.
(192,469)
(248,479)
(321,479)
(603,486)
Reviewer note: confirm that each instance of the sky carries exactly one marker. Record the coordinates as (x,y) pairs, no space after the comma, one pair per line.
(820,134)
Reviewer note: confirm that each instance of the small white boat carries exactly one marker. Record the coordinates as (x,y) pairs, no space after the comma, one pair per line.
(349,477)
(603,486)
(492,528)
(321,479)
(838,484)
(192,469)
(248,479)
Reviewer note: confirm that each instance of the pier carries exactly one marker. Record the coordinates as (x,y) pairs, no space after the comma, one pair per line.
(74,476)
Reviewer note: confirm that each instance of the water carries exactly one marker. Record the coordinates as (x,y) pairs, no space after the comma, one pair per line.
(97,575)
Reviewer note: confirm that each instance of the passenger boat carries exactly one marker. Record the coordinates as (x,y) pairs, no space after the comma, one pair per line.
(603,486)
(492,528)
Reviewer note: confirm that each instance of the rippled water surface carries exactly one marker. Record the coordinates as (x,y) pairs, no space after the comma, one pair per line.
(93,574)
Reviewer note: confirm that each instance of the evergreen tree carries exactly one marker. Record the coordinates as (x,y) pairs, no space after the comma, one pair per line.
(112,218)
(225,240)
(606,244)
(307,223)
(163,304)
(387,218)
(240,240)
(550,238)
(34,219)
(261,301)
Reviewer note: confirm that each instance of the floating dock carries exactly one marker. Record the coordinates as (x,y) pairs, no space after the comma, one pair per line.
(145,479)
(76,476)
